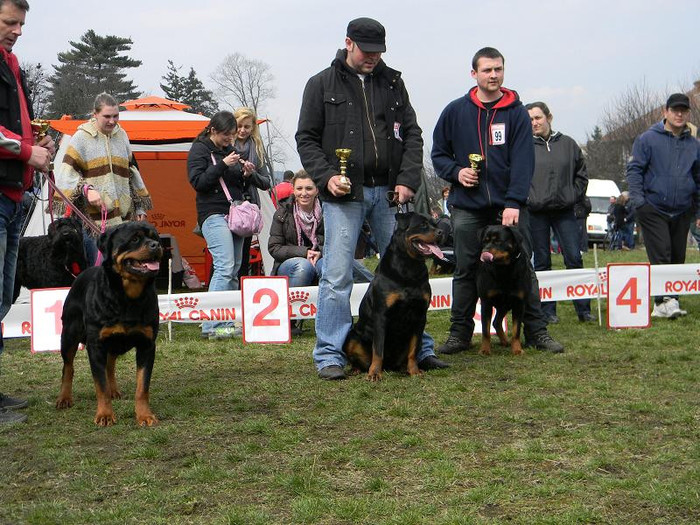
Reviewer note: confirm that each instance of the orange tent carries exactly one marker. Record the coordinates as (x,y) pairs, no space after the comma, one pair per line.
(161,134)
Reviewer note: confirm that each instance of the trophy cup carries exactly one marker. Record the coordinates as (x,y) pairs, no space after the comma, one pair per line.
(40,127)
(344,154)
(476,162)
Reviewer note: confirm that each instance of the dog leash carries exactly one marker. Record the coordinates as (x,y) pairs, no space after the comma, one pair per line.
(393,196)
(86,220)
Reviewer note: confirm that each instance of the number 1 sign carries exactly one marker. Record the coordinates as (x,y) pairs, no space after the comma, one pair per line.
(628,295)
(265,303)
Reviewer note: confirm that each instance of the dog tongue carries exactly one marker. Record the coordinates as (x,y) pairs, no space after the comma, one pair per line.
(431,248)
(486,257)
(153,266)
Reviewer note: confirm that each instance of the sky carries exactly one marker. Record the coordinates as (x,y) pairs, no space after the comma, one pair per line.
(577,56)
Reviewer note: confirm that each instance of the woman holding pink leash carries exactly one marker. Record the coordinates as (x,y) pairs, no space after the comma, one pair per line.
(99,176)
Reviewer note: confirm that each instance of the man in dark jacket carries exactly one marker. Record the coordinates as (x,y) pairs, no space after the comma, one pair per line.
(664,186)
(360,104)
(492,122)
(559,183)
(19,156)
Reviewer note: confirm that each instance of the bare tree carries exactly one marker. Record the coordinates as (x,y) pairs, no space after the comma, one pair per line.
(244,82)
(37,82)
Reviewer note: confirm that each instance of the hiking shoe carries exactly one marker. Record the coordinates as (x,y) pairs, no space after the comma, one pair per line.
(226,332)
(553,319)
(453,345)
(9,417)
(332,373)
(7,402)
(432,363)
(668,309)
(586,318)
(545,343)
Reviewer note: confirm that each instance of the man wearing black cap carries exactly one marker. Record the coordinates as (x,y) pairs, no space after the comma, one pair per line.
(361,104)
(664,185)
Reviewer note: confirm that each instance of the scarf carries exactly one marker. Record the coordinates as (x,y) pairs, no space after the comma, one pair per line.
(307,223)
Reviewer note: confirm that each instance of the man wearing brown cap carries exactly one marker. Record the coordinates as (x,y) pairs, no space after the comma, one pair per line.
(663,175)
(360,104)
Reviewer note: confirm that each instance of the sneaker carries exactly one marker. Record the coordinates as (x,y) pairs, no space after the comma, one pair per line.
(432,363)
(587,318)
(453,345)
(545,343)
(674,304)
(667,309)
(226,332)
(7,402)
(9,417)
(332,373)
(553,319)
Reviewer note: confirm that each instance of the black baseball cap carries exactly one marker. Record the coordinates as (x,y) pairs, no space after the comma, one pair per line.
(368,34)
(678,100)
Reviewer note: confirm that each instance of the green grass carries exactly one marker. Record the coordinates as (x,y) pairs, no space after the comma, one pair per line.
(607,432)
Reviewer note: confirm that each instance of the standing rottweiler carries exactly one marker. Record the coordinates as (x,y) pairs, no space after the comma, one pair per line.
(503,282)
(394,310)
(112,308)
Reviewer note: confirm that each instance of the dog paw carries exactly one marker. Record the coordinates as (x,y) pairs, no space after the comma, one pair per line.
(105,419)
(64,402)
(374,376)
(485,350)
(116,394)
(146,420)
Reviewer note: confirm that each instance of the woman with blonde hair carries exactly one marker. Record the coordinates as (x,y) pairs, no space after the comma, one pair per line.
(249,145)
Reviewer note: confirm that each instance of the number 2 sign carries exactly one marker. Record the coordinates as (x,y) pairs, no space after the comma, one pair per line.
(628,295)
(265,303)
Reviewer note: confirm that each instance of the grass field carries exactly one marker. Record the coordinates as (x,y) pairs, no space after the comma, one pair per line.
(608,432)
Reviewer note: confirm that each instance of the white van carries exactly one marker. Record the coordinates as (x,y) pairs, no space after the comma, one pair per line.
(599,192)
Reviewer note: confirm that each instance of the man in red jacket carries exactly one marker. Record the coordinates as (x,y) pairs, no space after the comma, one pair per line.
(19,157)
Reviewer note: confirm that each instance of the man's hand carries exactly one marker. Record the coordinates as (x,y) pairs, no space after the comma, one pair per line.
(510,217)
(40,158)
(403,193)
(336,188)
(48,143)
(468,178)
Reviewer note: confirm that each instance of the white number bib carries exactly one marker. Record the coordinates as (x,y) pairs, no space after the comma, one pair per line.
(498,134)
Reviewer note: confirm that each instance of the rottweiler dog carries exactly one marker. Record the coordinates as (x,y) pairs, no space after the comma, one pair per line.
(52,260)
(503,281)
(112,308)
(393,311)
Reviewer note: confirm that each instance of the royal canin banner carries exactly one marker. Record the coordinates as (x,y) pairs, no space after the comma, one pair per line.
(556,285)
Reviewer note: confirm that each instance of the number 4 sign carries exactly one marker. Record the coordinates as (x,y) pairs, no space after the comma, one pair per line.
(628,295)
(265,302)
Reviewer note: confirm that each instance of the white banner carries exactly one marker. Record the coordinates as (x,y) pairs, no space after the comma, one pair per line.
(555,285)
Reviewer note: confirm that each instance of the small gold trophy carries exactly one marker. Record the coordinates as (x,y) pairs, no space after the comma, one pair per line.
(344,154)
(476,161)
(40,127)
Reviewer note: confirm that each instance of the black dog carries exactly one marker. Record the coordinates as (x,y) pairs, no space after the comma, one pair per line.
(112,308)
(393,311)
(52,260)
(503,281)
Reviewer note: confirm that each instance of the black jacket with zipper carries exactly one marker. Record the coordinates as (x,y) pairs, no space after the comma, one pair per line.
(204,175)
(377,123)
(560,178)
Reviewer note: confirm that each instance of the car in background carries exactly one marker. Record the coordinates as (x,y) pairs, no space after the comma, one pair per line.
(599,192)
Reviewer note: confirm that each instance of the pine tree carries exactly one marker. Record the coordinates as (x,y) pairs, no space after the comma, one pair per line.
(188,90)
(93,65)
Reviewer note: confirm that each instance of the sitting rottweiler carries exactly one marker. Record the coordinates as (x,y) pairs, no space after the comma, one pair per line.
(112,308)
(393,311)
(52,260)
(503,281)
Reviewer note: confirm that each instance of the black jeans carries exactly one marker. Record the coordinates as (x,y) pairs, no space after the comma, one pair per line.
(665,238)
(466,224)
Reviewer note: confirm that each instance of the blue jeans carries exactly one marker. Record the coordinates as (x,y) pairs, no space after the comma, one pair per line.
(226,252)
(10,228)
(566,230)
(342,222)
(302,273)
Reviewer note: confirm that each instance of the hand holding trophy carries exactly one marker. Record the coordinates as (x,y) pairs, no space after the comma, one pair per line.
(476,162)
(344,154)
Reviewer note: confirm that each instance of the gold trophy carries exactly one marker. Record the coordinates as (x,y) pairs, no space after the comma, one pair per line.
(344,154)
(40,127)
(476,161)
